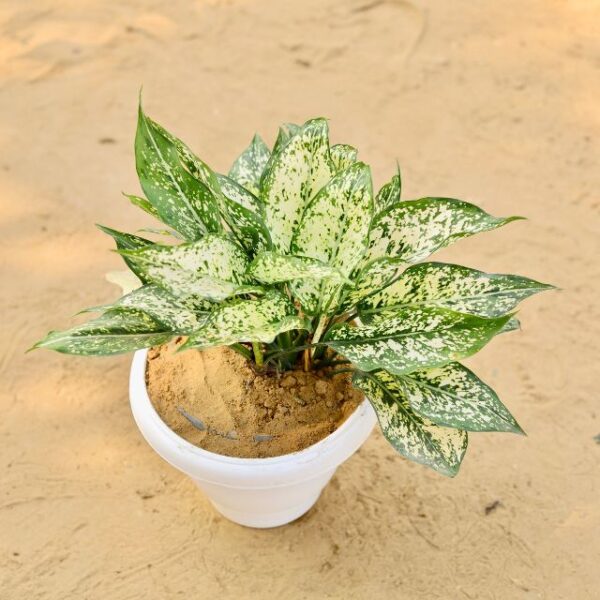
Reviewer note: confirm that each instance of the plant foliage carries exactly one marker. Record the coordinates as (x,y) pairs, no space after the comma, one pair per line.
(291,259)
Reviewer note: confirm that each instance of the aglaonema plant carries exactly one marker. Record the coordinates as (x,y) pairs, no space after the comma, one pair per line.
(292,261)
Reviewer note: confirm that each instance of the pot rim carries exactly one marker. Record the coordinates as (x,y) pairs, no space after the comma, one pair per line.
(306,455)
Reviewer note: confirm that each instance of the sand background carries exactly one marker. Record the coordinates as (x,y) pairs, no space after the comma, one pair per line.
(492,102)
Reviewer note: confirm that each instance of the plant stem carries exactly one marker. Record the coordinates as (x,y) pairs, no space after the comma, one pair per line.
(306,361)
(340,371)
(258,355)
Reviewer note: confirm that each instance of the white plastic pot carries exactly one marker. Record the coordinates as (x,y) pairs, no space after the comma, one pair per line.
(256,492)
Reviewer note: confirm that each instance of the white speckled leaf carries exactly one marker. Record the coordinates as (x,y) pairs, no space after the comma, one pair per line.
(177,315)
(413,230)
(374,276)
(271,267)
(334,230)
(454,396)
(414,338)
(296,173)
(413,436)
(455,287)
(180,200)
(247,321)
(114,332)
(212,268)
(343,156)
(390,193)
(128,241)
(284,135)
(248,168)
(144,204)
(243,212)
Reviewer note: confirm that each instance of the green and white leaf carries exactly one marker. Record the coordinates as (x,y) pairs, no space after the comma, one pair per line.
(284,135)
(144,204)
(414,229)
(343,156)
(179,198)
(271,267)
(414,338)
(243,212)
(454,396)
(248,321)
(415,437)
(334,230)
(390,193)
(114,332)
(212,268)
(455,287)
(178,316)
(296,173)
(128,241)
(248,168)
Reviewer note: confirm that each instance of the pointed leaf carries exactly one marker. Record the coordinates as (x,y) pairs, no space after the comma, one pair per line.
(247,321)
(454,396)
(414,338)
(128,241)
(178,197)
(298,171)
(270,267)
(115,332)
(212,268)
(144,204)
(455,287)
(244,214)
(413,230)
(334,230)
(248,168)
(285,133)
(178,316)
(343,156)
(390,193)
(413,436)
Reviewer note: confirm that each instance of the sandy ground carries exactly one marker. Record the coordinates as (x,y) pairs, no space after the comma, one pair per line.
(493,102)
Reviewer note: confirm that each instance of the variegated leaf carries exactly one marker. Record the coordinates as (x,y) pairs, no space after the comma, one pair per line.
(390,193)
(128,241)
(296,173)
(144,204)
(212,268)
(180,200)
(413,230)
(453,286)
(114,332)
(243,213)
(284,135)
(415,437)
(334,230)
(372,277)
(177,315)
(454,396)
(248,168)
(271,267)
(414,338)
(247,321)
(343,156)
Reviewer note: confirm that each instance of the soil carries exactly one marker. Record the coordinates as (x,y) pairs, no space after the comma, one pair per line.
(492,102)
(216,400)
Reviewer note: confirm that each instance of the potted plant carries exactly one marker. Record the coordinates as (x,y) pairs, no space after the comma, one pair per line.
(291,261)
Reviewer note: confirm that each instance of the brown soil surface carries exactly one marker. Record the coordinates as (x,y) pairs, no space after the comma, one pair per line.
(493,101)
(244,413)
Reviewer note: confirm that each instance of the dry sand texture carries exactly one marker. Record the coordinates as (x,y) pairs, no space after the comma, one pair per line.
(493,102)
